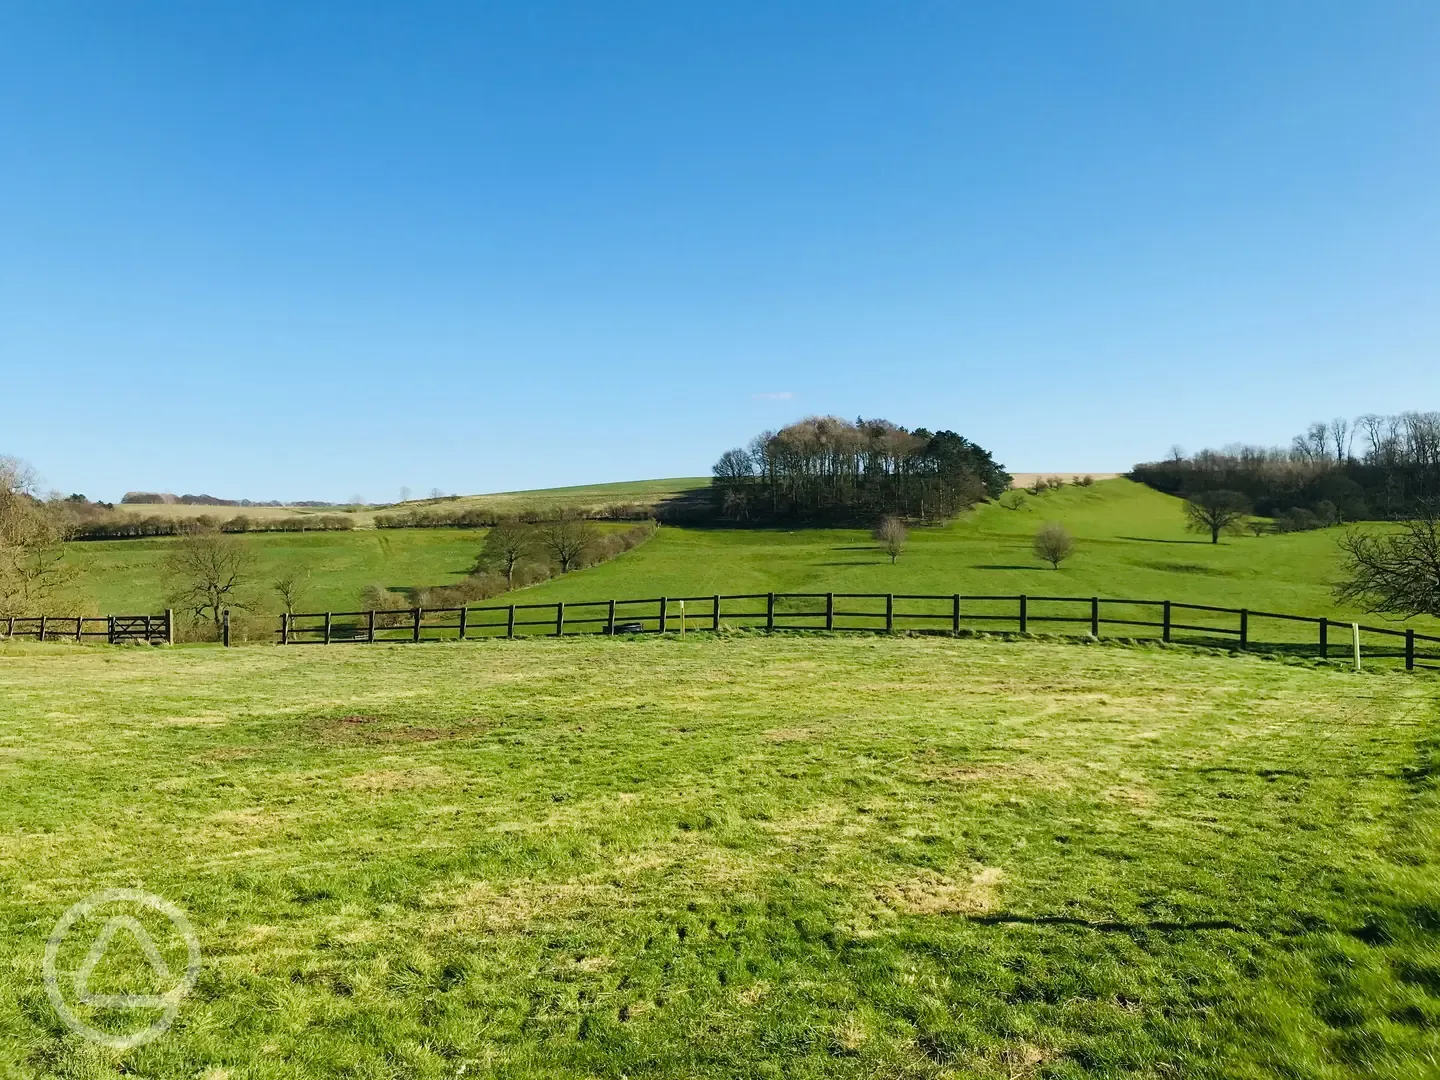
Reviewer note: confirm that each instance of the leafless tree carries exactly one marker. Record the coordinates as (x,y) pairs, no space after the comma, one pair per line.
(1054,544)
(1395,572)
(1342,435)
(1215,512)
(291,585)
(507,544)
(892,535)
(208,571)
(567,538)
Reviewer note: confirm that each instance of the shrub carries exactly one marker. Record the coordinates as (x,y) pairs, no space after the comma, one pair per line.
(1053,543)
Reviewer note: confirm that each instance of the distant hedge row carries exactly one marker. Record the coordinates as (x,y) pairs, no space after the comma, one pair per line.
(475,517)
(131,526)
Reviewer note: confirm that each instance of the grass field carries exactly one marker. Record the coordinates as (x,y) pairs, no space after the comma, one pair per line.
(796,857)
(1131,543)
(579,497)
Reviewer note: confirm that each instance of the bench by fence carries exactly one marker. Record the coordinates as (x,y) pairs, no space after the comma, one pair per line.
(115,629)
(1165,620)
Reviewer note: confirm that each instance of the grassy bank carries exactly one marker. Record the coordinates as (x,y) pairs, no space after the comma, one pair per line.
(793,857)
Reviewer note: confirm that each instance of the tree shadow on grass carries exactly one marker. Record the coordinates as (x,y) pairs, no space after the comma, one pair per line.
(1005,566)
(1157,540)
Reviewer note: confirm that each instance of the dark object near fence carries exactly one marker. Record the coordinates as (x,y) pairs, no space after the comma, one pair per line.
(115,629)
(1165,620)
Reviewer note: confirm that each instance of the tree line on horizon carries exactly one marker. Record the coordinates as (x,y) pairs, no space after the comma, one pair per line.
(825,468)
(1371,468)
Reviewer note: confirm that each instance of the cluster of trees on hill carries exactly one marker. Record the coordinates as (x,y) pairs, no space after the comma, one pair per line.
(33,572)
(1374,467)
(828,468)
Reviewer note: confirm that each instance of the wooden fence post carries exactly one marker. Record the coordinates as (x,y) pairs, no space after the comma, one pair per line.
(1409,650)
(560,619)
(829,611)
(110,630)
(169,626)
(1024,614)
(79,628)
(327,628)
(370,628)
(664,603)
(1324,639)
(1244,628)
(510,622)
(769,611)
(42,627)
(464,612)
(1094,616)
(715,621)
(1356,628)
(610,622)
(955,613)
(11,631)
(285,628)
(1165,632)
(225,628)
(889,613)
(419,614)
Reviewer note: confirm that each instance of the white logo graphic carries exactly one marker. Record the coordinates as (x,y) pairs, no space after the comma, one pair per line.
(126,903)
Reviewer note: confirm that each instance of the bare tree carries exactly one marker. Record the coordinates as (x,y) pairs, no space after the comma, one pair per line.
(1342,435)
(567,538)
(291,585)
(892,535)
(1395,572)
(1215,512)
(507,544)
(1054,544)
(208,572)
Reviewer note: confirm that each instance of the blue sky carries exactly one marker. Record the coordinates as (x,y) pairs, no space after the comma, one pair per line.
(309,250)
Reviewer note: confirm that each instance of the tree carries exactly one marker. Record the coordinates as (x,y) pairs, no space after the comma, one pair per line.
(208,571)
(1395,572)
(567,538)
(892,535)
(1216,512)
(1054,544)
(33,569)
(507,544)
(291,585)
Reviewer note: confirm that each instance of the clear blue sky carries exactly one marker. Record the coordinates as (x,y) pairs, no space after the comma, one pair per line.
(306,250)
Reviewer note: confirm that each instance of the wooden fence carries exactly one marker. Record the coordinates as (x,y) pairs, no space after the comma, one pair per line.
(115,629)
(1165,620)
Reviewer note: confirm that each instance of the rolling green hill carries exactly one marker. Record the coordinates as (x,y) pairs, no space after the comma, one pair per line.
(1131,542)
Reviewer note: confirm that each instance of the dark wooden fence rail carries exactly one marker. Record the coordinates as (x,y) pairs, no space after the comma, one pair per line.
(1166,620)
(115,629)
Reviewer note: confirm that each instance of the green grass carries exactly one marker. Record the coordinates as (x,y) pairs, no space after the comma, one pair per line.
(736,856)
(1131,543)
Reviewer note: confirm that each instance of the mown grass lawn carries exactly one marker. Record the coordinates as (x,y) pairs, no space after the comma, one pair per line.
(792,857)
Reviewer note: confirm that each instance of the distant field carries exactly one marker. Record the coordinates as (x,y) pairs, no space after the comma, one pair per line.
(734,857)
(1131,542)
(583,497)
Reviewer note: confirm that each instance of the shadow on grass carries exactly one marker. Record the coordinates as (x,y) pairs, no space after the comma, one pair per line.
(1005,566)
(1157,540)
